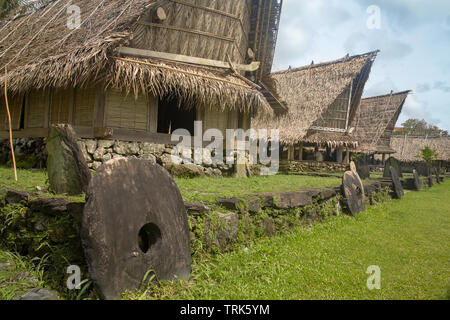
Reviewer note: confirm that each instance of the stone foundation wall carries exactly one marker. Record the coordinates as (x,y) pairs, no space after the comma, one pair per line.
(315,166)
(32,153)
(97,152)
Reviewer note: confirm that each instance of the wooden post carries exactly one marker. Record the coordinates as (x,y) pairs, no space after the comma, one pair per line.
(347,157)
(10,125)
(339,155)
(291,151)
(300,156)
(384,159)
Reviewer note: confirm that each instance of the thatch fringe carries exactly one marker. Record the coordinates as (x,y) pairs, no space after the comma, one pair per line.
(193,86)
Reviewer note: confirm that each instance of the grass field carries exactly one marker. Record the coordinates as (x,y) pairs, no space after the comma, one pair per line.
(209,188)
(191,189)
(408,239)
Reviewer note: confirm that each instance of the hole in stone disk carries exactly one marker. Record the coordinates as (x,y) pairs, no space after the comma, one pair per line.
(149,235)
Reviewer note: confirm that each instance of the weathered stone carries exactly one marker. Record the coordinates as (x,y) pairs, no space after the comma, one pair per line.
(370,188)
(289,200)
(430,181)
(49,206)
(106,157)
(151,148)
(96,165)
(196,208)
(398,188)
(353,190)
(148,157)
(417,183)
(326,194)
(126,148)
(268,227)
(362,169)
(13,197)
(231,204)
(75,209)
(134,220)
(39,294)
(210,172)
(185,170)
(392,162)
(98,154)
(168,160)
(438,178)
(67,168)
(105,144)
(253,204)
(224,232)
(91,146)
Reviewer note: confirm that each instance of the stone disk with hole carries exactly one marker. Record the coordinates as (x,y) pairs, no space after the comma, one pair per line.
(134,222)
(416,180)
(438,178)
(354,192)
(398,188)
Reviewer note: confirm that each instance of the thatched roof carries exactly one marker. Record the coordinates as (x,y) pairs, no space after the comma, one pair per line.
(408,148)
(312,94)
(40,52)
(375,121)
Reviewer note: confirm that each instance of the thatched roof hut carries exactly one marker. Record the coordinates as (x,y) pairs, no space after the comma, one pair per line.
(322,100)
(194,55)
(375,121)
(407,148)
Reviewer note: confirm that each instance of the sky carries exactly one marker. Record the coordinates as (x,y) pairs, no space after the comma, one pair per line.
(413,37)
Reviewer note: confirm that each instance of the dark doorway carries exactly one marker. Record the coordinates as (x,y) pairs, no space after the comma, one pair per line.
(172,116)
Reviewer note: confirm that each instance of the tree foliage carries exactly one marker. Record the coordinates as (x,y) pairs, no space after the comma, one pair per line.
(8,7)
(428,155)
(416,127)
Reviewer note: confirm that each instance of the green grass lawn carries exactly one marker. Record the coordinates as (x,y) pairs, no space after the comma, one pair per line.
(191,189)
(408,239)
(209,188)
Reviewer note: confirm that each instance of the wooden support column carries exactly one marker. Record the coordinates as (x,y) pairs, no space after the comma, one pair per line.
(347,157)
(300,156)
(291,151)
(339,155)
(384,159)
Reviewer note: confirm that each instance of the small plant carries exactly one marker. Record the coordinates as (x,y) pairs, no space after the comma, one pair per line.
(428,155)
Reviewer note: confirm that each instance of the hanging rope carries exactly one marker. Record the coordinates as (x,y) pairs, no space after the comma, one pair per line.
(10,125)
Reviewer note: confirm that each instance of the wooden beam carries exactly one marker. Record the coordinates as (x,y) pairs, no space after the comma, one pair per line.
(197,32)
(141,53)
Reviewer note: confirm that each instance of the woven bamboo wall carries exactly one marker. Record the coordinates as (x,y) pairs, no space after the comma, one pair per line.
(122,111)
(15,108)
(36,109)
(61,106)
(84,107)
(210,29)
